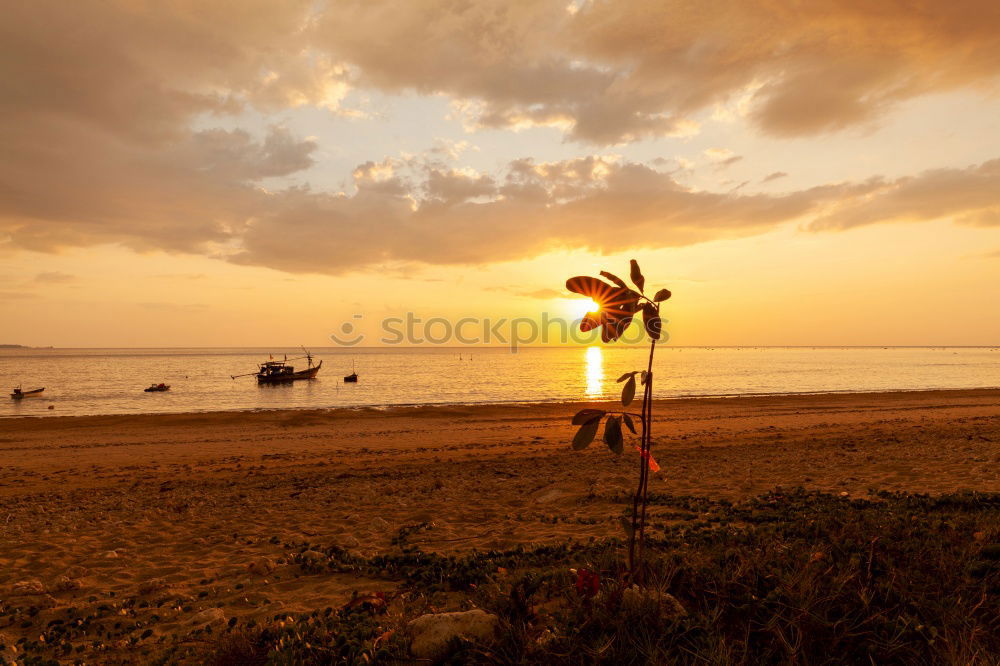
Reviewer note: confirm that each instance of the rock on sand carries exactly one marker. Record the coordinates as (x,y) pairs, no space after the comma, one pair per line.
(432,633)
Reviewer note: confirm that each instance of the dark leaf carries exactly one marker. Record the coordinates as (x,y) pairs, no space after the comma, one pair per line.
(613,434)
(618,305)
(590,287)
(585,435)
(587,415)
(626,376)
(626,523)
(589,322)
(651,319)
(662,295)
(636,275)
(614,278)
(629,424)
(616,327)
(628,391)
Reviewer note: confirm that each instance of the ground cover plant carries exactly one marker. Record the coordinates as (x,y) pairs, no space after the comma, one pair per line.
(791,577)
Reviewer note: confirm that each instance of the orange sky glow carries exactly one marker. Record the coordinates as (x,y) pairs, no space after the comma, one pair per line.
(211,174)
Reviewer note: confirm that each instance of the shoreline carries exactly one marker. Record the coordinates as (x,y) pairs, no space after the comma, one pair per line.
(388,408)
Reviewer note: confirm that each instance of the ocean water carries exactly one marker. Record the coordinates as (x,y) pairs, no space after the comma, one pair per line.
(111,381)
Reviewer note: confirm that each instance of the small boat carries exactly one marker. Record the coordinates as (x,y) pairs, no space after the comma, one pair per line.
(153,388)
(18,394)
(353,377)
(279,372)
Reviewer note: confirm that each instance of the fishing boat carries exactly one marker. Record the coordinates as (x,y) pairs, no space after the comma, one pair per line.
(154,388)
(18,394)
(279,372)
(353,377)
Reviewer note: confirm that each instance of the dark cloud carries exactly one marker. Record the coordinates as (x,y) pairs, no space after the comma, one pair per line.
(456,185)
(968,196)
(595,203)
(807,67)
(531,208)
(99,100)
(620,71)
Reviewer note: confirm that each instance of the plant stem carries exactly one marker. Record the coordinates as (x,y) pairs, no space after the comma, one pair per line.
(639,520)
(646,445)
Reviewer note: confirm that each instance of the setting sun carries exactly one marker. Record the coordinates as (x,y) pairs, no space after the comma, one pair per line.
(577,307)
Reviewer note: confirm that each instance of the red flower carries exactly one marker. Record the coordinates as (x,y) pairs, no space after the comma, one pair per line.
(588,583)
(617,306)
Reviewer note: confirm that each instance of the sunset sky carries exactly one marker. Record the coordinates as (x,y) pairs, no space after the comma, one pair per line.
(208,173)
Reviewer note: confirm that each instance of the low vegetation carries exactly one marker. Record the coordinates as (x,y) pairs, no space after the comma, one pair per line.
(791,577)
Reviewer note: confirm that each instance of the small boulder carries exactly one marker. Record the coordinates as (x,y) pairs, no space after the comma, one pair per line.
(67,584)
(27,588)
(153,585)
(348,541)
(210,616)
(433,632)
(380,524)
(639,600)
(260,566)
(313,557)
(45,601)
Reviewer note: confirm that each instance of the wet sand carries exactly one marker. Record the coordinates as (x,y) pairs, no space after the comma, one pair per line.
(194,509)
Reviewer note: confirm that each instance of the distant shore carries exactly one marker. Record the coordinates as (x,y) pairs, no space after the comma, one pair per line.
(198,509)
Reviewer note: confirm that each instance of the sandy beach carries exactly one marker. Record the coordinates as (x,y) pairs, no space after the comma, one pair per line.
(192,511)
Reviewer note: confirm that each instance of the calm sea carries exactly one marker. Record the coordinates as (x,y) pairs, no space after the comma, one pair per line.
(110,381)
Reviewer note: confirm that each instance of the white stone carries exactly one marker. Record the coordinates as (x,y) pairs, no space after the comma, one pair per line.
(432,633)
(210,616)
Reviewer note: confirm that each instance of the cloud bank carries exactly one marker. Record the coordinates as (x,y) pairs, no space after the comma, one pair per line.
(106,106)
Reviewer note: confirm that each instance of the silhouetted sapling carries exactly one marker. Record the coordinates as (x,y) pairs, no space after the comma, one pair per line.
(618,304)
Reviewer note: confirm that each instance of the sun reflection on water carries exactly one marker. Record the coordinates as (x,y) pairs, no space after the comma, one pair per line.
(595,372)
